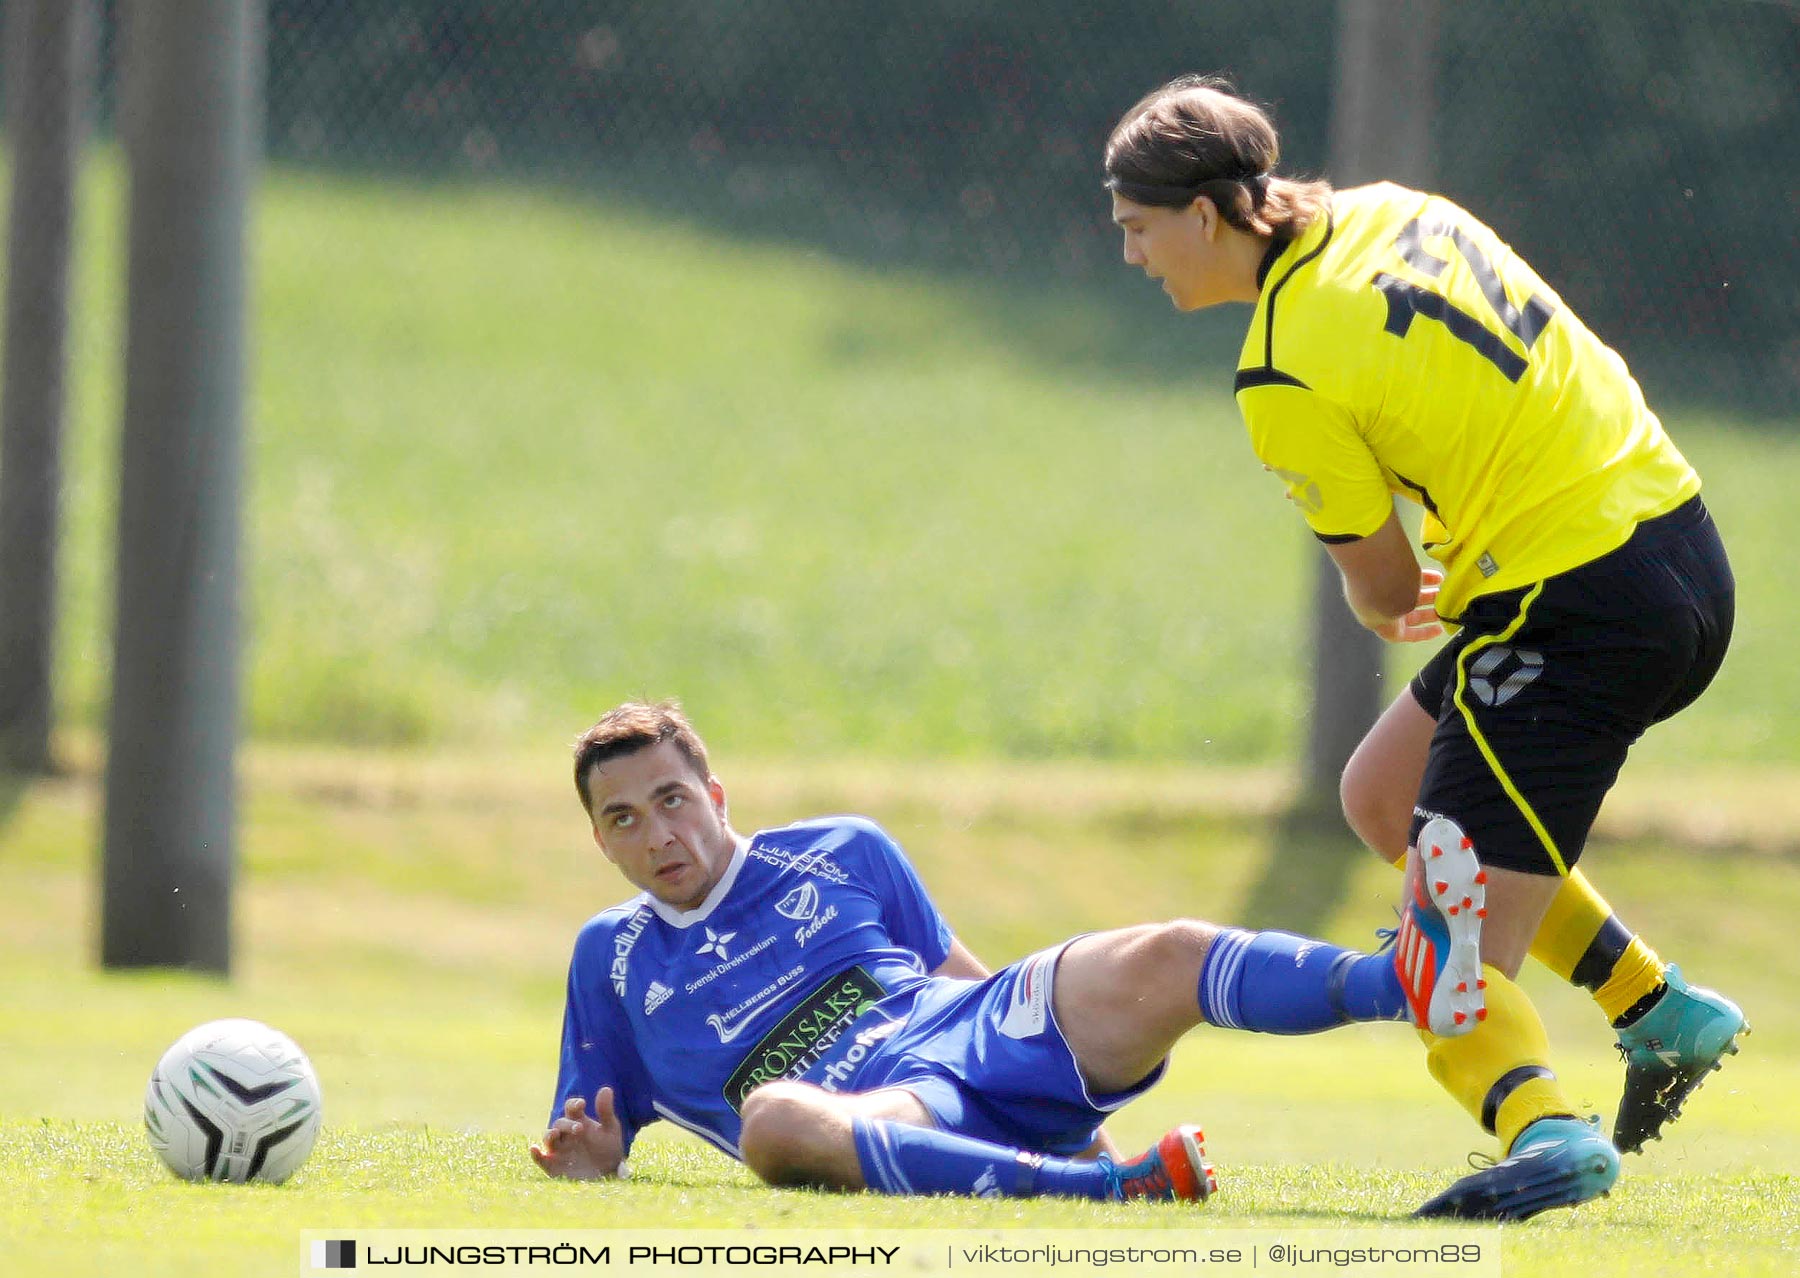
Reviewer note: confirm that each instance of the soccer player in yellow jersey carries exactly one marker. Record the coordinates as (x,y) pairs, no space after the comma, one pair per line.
(1398,347)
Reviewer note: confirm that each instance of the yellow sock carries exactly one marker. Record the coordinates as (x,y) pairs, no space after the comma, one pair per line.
(1583,941)
(1637,975)
(1500,1071)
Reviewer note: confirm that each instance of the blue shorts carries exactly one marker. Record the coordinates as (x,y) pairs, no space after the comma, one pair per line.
(988,1059)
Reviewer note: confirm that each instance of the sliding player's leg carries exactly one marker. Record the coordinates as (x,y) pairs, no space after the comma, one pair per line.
(886,1141)
(800,1134)
(977,1092)
(994,1088)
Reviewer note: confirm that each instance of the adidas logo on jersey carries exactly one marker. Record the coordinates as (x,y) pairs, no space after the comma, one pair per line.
(656,996)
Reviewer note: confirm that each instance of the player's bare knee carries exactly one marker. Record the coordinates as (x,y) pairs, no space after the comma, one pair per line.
(1178,944)
(780,1132)
(1353,798)
(1364,802)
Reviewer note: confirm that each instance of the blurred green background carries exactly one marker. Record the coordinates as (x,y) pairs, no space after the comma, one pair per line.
(780,360)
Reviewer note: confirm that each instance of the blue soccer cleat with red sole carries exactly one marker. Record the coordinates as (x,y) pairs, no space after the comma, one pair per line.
(1173,1169)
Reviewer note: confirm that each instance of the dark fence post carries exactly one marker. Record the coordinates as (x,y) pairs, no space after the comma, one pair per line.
(49,47)
(188,115)
(1383,104)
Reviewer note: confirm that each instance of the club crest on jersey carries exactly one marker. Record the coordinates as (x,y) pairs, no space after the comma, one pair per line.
(801,903)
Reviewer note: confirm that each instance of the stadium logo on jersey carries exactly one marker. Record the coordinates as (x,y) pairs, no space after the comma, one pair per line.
(801,903)
(656,996)
(715,943)
(622,944)
(1501,672)
(801,1038)
(1029,1010)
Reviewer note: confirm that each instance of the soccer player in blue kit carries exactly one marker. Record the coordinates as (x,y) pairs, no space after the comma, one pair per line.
(795,999)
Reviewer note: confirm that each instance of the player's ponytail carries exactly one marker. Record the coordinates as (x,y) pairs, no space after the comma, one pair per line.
(1195,137)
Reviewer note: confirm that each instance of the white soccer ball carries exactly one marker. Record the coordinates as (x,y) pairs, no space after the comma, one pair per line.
(233,1100)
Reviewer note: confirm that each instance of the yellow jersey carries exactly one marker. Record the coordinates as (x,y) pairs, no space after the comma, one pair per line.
(1398,346)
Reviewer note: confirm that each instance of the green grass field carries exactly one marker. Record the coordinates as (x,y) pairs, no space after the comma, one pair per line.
(516,456)
(408,919)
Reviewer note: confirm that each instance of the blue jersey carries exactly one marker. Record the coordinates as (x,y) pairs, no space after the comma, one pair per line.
(817,935)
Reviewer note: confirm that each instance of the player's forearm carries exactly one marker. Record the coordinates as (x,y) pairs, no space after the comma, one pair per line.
(1381,575)
(1374,611)
(961,962)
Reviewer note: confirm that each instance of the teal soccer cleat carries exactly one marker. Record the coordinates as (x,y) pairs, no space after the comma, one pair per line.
(1668,1053)
(1175,1168)
(1555,1162)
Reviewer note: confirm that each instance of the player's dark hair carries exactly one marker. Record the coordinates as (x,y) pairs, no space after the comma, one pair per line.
(1197,136)
(634,726)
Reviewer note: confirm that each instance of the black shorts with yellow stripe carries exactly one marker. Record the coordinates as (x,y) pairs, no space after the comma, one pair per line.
(1544,689)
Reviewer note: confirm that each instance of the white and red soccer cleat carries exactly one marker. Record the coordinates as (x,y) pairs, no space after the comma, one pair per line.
(1438,950)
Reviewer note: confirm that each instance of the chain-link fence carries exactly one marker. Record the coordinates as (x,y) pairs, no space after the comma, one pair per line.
(1643,154)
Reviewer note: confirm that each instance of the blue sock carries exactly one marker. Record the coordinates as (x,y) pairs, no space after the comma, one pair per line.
(1279,983)
(898,1158)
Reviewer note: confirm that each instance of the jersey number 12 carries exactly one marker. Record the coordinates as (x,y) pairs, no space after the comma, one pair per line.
(1406,299)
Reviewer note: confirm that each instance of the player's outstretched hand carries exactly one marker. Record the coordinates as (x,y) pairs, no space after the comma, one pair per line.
(578,1146)
(1422,622)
